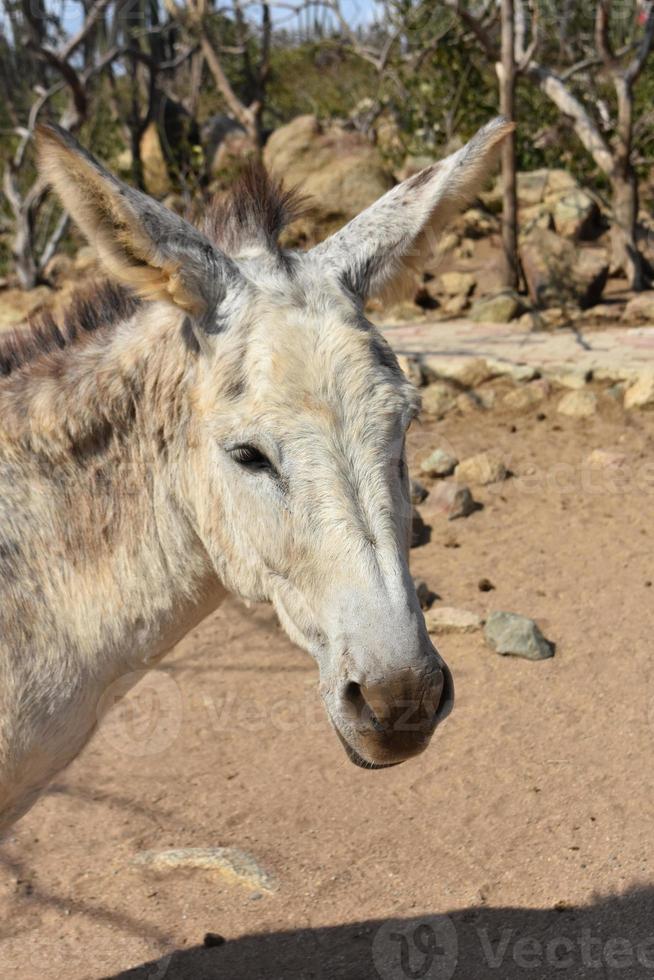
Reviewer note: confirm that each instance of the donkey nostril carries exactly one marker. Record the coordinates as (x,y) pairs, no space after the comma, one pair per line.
(360,708)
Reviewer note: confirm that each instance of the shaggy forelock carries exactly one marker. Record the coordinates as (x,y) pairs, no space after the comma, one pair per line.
(254,213)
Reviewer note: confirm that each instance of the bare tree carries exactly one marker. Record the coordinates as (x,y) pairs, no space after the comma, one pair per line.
(506,71)
(60,73)
(198,19)
(624,68)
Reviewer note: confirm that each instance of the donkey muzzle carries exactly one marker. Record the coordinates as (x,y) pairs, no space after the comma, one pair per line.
(384,721)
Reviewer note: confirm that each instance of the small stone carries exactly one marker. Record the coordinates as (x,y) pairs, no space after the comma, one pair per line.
(453,500)
(439,463)
(484,468)
(438,399)
(527,396)
(418,493)
(510,634)
(467,371)
(448,619)
(640,394)
(212,939)
(424,593)
(485,585)
(578,404)
(233,864)
(606,459)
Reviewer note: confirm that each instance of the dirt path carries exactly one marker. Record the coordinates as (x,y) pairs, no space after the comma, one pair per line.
(524,835)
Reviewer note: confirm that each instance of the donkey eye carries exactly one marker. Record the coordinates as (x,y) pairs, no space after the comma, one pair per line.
(251,458)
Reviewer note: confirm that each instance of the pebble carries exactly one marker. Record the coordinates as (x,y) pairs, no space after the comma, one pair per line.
(439,463)
(418,492)
(454,500)
(606,459)
(578,404)
(448,619)
(212,939)
(235,865)
(483,468)
(510,634)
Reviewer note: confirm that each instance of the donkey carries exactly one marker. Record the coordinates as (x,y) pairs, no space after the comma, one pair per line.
(222,417)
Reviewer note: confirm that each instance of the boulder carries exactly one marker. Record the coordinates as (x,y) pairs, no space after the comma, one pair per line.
(155,169)
(527,396)
(457,283)
(500,308)
(338,169)
(559,272)
(575,214)
(640,309)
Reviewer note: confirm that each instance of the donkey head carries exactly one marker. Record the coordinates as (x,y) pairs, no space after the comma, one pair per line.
(295,474)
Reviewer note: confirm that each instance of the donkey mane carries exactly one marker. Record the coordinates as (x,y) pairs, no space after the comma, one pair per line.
(96,307)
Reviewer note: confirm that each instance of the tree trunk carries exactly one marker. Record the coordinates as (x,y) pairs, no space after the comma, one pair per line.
(624,187)
(506,72)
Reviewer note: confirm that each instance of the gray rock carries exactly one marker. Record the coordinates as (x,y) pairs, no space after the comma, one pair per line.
(510,634)
(453,500)
(439,463)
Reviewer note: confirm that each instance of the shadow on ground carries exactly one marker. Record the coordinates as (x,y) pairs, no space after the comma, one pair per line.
(612,938)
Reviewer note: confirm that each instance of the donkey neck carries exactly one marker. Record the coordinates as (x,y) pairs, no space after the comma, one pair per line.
(95,435)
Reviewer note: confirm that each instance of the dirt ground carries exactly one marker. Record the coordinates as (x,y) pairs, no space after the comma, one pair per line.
(519,846)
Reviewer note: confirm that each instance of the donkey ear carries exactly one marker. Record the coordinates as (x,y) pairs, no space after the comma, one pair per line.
(140,242)
(378,250)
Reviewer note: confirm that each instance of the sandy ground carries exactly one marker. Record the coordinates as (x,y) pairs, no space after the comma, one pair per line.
(520,845)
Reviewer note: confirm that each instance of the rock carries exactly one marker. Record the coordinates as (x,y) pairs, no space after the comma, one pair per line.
(468,402)
(483,468)
(500,308)
(213,939)
(235,865)
(155,169)
(16,305)
(575,214)
(531,321)
(411,368)
(424,593)
(418,493)
(475,223)
(558,271)
(449,619)
(640,309)
(340,170)
(453,500)
(527,396)
(465,371)
(457,283)
(606,459)
(438,399)
(578,404)
(439,463)
(566,378)
(455,305)
(640,394)
(510,634)
(419,532)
